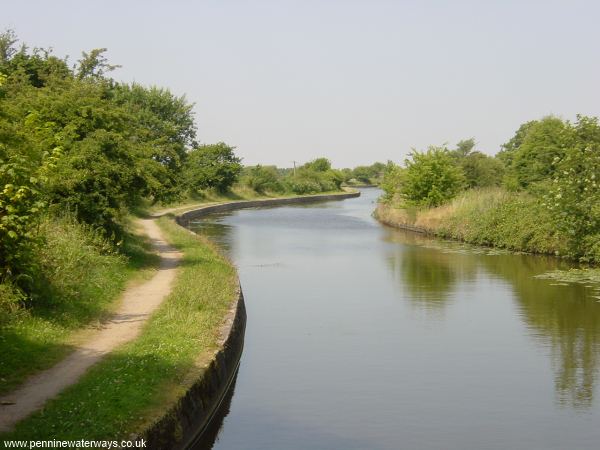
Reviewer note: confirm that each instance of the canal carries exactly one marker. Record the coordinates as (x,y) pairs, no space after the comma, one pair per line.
(364,337)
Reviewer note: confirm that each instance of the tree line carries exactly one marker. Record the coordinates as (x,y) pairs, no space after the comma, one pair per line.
(75,141)
(553,161)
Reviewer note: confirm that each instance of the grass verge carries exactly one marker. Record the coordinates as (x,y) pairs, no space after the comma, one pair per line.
(80,282)
(490,217)
(130,388)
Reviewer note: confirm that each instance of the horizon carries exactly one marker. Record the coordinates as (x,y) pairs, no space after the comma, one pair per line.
(356,82)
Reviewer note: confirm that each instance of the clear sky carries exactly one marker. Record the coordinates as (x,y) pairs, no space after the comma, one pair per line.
(354,80)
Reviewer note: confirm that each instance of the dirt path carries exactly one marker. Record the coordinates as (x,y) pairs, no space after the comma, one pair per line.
(138,303)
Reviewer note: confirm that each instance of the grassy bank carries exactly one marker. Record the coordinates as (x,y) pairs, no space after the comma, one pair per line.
(490,217)
(79,280)
(130,388)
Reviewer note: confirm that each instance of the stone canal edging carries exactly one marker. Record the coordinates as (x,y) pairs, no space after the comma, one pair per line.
(185,218)
(182,424)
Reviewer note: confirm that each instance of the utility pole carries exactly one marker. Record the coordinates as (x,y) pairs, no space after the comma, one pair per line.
(294,167)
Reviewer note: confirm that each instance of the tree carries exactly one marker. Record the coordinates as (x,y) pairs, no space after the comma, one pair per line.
(318,165)
(369,174)
(431,177)
(529,154)
(8,39)
(164,124)
(465,147)
(262,179)
(212,166)
(391,181)
(94,64)
(574,194)
(481,170)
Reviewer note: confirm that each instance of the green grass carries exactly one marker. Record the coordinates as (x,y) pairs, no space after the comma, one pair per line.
(80,278)
(490,217)
(133,385)
(502,219)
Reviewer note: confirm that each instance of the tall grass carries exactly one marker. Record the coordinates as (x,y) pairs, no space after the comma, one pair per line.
(492,217)
(79,279)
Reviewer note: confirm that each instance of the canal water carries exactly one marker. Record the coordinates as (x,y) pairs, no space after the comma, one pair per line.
(361,336)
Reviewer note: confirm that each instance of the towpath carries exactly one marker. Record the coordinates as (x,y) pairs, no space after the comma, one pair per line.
(138,303)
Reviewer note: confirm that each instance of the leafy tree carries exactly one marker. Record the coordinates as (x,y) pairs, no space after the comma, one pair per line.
(391,181)
(21,203)
(431,177)
(8,39)
(94,64)
(464,147)
(574,194)
(318,165)
(530,153)
(164,125)
(480,170)
(212,166)
(369,174)
(509,148)
(314,176)
(263,179)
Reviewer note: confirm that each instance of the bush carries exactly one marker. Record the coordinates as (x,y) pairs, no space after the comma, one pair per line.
(573,196)
(430,177)
(262,179)
(11,301)
(21,202)
(308,181)
(391,181)
(212,166)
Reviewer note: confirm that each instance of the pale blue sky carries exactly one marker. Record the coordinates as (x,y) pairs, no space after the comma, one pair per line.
(356,81)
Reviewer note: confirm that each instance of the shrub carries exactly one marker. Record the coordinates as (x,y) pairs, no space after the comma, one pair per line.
(430,177)
(212,166)
(262,179)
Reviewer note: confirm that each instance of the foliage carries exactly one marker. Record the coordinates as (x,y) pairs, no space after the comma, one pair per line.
(490,217)
(430,177)
(313,177)
(318,165)
(479,169)
(391,181)
(574,194)
(132,385)
(501,219)
(11,302)
(78,276)
(262,179)
(74,140)
(21,202)
(529,154)
(553,165)
(368,174)
(212,166)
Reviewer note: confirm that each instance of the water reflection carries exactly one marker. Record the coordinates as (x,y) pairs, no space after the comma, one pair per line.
(427,275)
(214,229)
(563,317)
